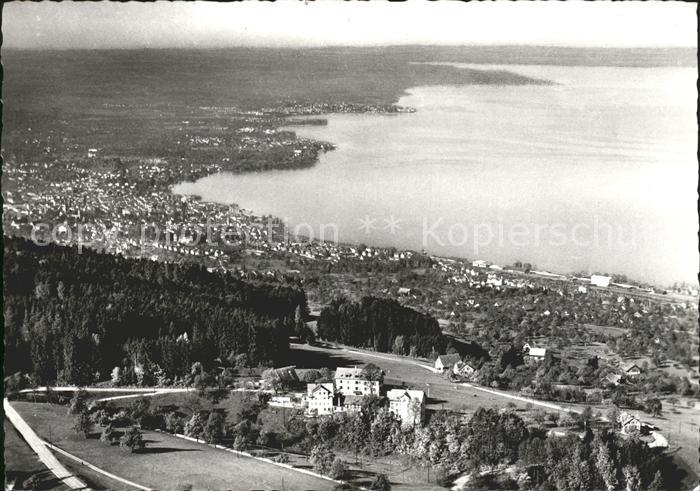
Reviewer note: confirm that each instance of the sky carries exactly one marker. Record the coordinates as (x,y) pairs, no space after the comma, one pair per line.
(334,23)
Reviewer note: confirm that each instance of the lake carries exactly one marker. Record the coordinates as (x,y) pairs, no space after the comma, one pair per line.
(595,173)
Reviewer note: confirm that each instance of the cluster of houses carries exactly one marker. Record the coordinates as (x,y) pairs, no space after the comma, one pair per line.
(119,208)
(346,394)
(453,363)
(348,390)
(628,372)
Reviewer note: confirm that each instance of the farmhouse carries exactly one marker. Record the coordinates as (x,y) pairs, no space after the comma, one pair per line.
(631,370)
(533,354)
(463,369)
(353,382)
(407,405)
(319,398)
(446,362)
(629,424)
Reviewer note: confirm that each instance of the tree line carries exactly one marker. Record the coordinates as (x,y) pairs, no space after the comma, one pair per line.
(77,318)
(382,325)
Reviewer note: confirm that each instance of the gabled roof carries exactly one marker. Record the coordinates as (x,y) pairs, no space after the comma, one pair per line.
(624,417)
(627,419)
(286,373)
(398,394)
(449,360)
(460,365)
(349,373)
(313,389)
(629,366)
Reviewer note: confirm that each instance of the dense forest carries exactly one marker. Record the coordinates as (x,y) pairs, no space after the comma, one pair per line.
(79,318)
(381,324)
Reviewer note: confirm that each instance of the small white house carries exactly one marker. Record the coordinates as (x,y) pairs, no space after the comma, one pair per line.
(629,424)
(446,362)
(463,369)
(532,353)
(632,370)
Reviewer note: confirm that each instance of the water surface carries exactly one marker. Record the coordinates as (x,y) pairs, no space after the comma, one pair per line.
(595,173)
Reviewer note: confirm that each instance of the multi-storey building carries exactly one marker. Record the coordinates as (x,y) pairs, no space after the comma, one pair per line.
(407,405)
(353,382)
(320,399)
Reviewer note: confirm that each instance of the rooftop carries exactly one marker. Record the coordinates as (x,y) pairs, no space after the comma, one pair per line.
(450,359)
(349,373)
(397,394)
(312,388)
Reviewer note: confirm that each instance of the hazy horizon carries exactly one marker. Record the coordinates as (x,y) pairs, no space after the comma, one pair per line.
(40,26)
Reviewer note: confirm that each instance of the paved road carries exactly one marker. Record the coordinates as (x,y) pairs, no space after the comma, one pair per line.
(73,388)
(39,447)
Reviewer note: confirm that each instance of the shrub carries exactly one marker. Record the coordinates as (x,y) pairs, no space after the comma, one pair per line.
(132,439)
(78,402)
(282,458)
(16,382)
(121,419)
(102,413)
(442,477)
(138,411)
(338,469)
(109,435)
(553,418)
(83,424)
(322,458)
(380,483)
(174,423)
(214,428)
(32,482)
(195,426)
(240,443)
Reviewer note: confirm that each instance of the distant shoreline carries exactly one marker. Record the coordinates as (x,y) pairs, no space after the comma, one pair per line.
(556,274)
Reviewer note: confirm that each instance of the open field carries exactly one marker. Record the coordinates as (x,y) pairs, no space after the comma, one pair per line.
(400,371)
(21,462)
(168,462)
(402,475)
(679,425)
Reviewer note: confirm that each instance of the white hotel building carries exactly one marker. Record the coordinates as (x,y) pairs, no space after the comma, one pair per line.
(352,382)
